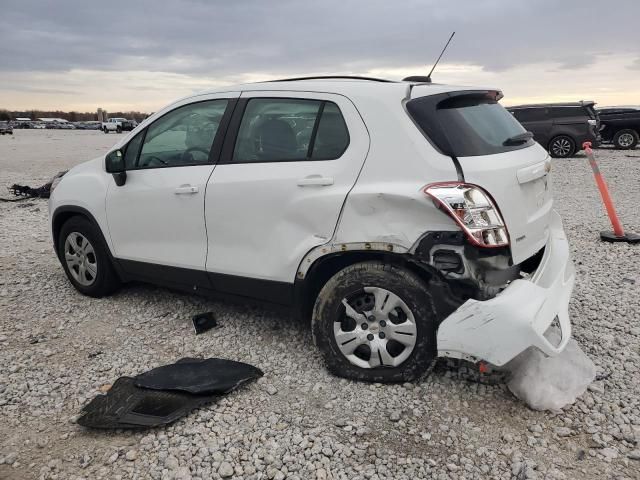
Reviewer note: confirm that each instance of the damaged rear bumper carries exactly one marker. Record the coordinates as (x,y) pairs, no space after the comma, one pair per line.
(498,329)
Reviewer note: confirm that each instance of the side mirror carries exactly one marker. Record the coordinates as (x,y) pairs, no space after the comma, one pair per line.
(115,165)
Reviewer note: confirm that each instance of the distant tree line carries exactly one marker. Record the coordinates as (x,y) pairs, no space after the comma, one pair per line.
(72,116)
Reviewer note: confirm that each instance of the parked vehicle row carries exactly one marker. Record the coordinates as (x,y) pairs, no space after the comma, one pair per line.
(346,199)
(620,126)
(118,125)
(561,128)
(6,128)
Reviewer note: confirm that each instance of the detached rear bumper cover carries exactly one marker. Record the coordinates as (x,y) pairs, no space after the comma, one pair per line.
(497,330)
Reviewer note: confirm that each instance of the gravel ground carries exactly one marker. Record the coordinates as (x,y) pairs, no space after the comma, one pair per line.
(58,347)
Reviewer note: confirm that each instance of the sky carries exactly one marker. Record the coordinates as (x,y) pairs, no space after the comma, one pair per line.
(142,54)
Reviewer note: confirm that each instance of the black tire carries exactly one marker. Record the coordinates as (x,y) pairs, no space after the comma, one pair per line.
(105,130)
(106,280)
(626,139)
(562,146)
(329,310)
(118,130)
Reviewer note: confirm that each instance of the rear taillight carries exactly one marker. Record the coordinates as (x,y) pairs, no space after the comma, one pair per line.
(472,208)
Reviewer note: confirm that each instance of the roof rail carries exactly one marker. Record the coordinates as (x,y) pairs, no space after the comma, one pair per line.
(331,77)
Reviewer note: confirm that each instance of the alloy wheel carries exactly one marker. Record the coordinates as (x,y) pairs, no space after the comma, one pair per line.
(561,147)
(625,140)
(375,328)
(81,258)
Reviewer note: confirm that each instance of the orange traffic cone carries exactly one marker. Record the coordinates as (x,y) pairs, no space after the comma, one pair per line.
(618,234)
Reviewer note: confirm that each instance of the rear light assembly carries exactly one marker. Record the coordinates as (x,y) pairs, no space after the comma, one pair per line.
(473,209)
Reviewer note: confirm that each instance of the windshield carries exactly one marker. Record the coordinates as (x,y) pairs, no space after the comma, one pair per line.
(468,125)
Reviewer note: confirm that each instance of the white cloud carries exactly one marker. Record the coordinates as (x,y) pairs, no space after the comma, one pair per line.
(79,54)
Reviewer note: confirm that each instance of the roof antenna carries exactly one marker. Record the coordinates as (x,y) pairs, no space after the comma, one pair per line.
(427,79)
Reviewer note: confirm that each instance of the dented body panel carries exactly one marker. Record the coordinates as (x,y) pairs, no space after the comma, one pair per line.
(498,329)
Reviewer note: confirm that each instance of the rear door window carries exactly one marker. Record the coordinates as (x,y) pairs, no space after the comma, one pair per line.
(332,136)
(467,125)
(289,130)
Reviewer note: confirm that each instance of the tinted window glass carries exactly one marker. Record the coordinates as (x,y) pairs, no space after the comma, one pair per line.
(467,125)
(332,137)
(183,136)
(275,130)
(282,129)
(131,153)
(531,114)
(569,112)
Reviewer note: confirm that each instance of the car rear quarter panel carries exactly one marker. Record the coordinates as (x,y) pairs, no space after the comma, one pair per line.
(387,203)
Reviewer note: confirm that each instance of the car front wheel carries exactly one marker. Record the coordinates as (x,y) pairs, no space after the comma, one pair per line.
(562,146)
(375,322)
(84,258)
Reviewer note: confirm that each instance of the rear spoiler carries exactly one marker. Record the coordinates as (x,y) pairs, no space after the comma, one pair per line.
(498,95)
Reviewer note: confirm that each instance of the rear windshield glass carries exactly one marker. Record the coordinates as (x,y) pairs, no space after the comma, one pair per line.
(468,125)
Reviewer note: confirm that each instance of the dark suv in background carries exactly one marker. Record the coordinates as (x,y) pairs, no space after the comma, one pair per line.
(561,128)
(620,126)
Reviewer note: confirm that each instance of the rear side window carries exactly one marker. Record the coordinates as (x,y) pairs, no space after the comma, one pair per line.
(332,136)
(559,112)
(531,114)
(467,125)
(288,130)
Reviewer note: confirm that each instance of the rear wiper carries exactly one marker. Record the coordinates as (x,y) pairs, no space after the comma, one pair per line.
(518,139)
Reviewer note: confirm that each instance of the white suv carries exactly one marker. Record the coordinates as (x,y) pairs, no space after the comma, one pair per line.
(408,220)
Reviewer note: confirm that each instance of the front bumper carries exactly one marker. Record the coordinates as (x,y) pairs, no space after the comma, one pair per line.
(498,329)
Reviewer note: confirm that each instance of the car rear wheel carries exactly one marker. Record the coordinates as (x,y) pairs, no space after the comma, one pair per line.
(625,139)
(105,130)
(118,130)
(562,146)
(85,260)
(375,322)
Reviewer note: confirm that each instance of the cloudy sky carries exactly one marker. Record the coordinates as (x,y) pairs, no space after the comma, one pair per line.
(141,54)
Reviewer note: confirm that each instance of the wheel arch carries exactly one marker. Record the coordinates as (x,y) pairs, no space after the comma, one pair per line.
(562,134)
(306,289)
(64,213)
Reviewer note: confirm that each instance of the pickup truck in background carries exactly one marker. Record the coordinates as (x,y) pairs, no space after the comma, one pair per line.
(620,126)
(118,125)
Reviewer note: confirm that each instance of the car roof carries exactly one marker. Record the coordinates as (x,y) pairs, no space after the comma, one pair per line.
(581,103)
(349,86)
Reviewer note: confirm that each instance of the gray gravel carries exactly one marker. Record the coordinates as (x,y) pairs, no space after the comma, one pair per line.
(57,348)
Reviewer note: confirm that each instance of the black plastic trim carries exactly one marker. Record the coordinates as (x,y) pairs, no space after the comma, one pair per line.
(267,290)
(229,144)
(209,283)
(334,77)
(165,275)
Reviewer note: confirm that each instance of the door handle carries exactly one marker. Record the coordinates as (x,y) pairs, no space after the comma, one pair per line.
(315,180)
(186,190)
